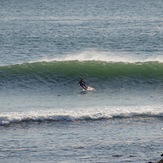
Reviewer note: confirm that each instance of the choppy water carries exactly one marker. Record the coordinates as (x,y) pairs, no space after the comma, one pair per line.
(46,47)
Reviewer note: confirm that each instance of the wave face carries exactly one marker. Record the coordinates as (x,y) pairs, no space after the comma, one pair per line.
(61,71)
(89,114)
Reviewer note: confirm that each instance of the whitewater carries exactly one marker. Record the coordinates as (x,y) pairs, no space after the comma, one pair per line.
(47,47)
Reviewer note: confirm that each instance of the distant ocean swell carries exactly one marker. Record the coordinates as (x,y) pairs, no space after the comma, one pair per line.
(72,70)
(80,114)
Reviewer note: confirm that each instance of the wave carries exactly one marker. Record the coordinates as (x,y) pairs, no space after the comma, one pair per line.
(69,71)
(75,69)
(89,114)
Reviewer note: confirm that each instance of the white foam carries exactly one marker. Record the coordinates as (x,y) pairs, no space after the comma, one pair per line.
(106,56)
(155,58)
(82,114)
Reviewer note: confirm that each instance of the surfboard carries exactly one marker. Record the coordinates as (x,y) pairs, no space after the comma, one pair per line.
(90,88)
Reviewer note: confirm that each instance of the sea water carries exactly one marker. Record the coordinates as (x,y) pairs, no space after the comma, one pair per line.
(46,47)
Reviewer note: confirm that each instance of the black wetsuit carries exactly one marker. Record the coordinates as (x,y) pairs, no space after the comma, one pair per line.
(82,84)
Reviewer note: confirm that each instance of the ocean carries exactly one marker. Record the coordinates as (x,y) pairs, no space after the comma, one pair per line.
(46,47)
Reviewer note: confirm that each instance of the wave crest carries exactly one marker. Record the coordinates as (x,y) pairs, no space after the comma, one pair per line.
(91,114)
(87,68)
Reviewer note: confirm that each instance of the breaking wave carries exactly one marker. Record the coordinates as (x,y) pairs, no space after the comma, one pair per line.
(72,70)
(90,114)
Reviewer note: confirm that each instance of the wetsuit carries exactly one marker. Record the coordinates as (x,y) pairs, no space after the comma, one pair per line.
(82,84)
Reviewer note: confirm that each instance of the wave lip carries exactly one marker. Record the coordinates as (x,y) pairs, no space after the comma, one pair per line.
(75,68)
(106,56)
(80,115)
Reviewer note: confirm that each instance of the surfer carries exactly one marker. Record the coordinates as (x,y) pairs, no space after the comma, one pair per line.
(82,84)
